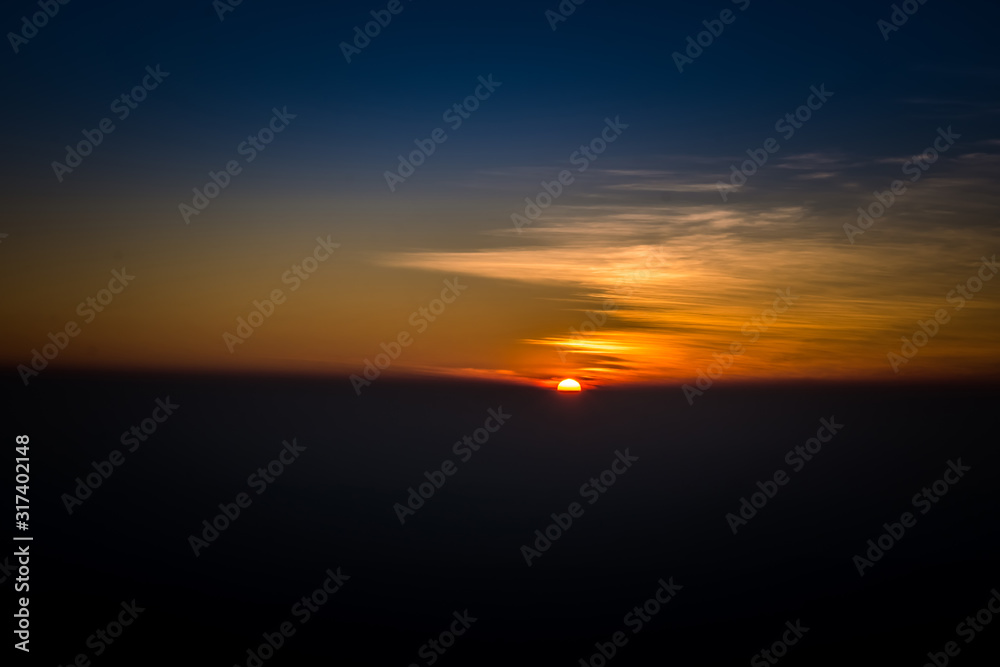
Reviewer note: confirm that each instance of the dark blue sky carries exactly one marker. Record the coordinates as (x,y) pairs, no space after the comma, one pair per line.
(606,59)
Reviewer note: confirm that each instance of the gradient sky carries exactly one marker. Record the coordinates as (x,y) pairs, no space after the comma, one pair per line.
(648,203)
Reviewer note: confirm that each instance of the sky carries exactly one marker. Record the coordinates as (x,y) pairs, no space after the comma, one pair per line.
(645,263)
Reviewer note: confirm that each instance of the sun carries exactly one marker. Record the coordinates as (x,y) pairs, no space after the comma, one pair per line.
(569,384)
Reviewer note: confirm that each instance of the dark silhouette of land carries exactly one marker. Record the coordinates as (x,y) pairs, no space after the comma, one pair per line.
(664,517)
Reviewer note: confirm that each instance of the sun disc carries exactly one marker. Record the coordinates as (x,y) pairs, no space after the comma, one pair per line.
(569,384)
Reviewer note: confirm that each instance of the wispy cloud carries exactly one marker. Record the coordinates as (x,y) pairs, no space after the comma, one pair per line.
(723,263)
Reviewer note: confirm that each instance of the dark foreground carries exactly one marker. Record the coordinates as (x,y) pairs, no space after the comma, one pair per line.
(459,555)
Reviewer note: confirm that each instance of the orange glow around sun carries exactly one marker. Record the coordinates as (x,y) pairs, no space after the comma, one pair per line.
(569,385)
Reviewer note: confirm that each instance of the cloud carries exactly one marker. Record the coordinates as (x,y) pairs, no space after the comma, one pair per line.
(722,263)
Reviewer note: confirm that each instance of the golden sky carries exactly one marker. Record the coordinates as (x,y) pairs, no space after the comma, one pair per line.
(685,271)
